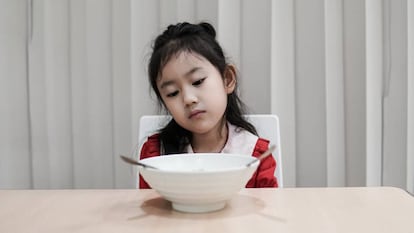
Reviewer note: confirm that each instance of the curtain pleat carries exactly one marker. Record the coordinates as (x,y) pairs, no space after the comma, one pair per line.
(339,74)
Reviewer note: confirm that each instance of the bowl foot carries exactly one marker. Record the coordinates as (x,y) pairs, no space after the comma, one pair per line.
(197,208)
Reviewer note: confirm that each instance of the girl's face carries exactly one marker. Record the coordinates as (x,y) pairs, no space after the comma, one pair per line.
(194,92)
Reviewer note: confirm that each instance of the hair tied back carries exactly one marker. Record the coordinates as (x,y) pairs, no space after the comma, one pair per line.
(208,29)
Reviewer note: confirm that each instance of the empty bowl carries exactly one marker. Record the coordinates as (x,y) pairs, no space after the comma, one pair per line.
(201,182)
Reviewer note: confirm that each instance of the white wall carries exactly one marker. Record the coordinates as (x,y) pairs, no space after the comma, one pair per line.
(338,73)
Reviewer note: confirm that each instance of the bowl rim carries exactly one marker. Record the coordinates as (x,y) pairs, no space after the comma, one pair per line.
(200,172)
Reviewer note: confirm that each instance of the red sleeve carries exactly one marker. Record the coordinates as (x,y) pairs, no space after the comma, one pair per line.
(265,174)
(150,148)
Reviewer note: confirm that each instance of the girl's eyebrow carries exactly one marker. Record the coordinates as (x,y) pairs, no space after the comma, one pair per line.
(166,83)
(192,71)
(187,74)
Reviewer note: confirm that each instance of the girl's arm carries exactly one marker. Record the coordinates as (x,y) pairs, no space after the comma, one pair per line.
(150,148)
(265,174)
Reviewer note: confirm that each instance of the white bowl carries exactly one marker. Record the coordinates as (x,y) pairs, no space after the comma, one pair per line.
(200,182)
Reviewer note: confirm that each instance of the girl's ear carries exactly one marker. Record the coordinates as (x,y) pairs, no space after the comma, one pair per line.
(230,79)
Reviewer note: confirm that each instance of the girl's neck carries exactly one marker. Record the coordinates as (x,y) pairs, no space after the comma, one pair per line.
(211,142)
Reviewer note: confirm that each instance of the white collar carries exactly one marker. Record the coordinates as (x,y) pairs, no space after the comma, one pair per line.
(239,141)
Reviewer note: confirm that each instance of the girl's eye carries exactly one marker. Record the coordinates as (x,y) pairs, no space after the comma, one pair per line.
(198,82)
(172,94)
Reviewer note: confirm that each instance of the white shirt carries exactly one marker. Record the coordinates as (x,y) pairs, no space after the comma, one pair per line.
(239,141)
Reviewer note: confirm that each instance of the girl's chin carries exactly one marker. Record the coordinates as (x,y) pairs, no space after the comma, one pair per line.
(200,130)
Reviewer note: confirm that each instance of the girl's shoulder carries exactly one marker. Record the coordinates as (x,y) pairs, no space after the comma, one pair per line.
(242,138)
(240,141)
(151,147)
(261,146)
(154,137)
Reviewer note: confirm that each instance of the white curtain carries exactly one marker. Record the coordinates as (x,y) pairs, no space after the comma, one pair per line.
(338,73)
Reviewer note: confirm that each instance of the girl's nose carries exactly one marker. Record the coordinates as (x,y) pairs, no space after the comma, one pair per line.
(189,97)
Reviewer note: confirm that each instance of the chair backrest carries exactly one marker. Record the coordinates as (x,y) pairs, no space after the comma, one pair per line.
(267,127)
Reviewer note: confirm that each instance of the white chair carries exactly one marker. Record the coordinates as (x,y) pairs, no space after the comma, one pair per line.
(267,126)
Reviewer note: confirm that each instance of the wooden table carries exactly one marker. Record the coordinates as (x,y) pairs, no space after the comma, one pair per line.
(376,209)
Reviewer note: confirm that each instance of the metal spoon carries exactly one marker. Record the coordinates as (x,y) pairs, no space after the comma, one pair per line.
(262,156)
(134,162)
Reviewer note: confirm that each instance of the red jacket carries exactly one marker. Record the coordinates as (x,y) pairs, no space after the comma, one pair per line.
(263,177)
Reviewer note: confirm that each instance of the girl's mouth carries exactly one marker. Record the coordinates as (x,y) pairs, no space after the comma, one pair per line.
(195,113)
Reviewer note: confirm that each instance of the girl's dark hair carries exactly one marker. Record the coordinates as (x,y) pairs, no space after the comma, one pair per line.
(200,39)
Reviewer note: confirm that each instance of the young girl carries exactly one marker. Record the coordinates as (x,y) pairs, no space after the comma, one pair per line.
(192,80)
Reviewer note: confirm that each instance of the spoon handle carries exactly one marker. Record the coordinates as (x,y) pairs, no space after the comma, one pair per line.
(262,156)
(134,162)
